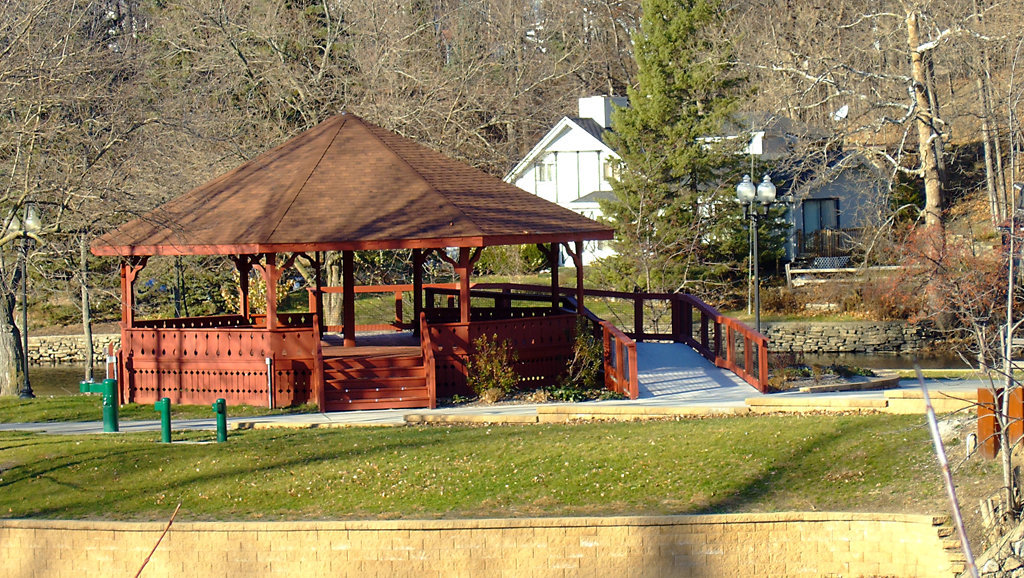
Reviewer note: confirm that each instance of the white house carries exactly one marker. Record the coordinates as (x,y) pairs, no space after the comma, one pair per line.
(571,165)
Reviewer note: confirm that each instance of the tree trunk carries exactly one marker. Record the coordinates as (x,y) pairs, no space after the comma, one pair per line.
(995,203)
(10,347)
(927,136)
(990,138)
(333,301)
(83,247)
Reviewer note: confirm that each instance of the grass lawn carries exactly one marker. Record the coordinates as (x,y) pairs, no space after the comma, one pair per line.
(768,463)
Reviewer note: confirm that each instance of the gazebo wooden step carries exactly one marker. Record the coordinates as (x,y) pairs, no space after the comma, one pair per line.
(378,392)
(378,380)
(382,403)
(346,374)
(340,352)
(372,363)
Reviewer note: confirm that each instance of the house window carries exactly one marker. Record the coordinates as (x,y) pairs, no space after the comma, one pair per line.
(820,214)
(610,169)
(546,170)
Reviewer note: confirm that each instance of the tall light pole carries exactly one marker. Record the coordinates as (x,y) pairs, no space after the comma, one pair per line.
(756,201)
(27,232)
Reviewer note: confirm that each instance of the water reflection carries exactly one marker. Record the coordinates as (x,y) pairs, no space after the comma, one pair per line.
(886,360)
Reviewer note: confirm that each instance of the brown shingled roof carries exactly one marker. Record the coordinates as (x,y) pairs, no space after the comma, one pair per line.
(347,185)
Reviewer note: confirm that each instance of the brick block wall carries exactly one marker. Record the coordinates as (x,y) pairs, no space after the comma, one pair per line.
(782,544)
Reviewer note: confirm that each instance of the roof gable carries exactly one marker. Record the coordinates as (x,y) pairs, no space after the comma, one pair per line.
(587,129)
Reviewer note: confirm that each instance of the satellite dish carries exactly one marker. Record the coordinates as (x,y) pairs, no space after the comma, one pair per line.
(841,113)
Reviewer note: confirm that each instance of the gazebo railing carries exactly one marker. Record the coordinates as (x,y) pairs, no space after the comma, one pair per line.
(441,305)
(399,322)
(211,322)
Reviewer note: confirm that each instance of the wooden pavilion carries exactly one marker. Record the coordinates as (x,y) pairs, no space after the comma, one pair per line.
(344,185)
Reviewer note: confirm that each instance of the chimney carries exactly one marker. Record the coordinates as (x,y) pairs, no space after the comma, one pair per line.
(599,108)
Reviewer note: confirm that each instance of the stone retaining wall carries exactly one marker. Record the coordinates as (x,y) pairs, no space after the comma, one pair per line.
(65,349)
(781,544)
(847,337)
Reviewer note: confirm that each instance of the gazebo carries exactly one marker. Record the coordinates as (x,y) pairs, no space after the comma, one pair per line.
(345,186)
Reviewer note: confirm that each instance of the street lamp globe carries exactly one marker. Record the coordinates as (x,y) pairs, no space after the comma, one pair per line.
(766,191)
(745,191)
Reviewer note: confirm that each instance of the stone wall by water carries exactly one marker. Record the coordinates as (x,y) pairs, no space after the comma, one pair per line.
(66,349)
(847,337)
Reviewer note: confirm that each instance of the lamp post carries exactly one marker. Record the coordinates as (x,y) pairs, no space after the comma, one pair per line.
(756,201)
(26,232)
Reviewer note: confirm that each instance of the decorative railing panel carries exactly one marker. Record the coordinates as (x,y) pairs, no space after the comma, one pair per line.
(543,345)
(201,365)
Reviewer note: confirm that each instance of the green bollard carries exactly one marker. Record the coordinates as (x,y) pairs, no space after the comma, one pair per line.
(164,407)
(109,390)
(220,406)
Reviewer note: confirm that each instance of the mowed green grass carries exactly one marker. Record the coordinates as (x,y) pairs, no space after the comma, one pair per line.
(865,463)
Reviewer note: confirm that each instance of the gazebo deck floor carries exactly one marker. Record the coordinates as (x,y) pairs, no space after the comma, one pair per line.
(396,344)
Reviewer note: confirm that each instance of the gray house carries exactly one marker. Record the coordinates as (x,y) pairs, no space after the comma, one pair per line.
(833,207)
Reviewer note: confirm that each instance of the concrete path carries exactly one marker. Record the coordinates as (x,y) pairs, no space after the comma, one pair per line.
(671,375)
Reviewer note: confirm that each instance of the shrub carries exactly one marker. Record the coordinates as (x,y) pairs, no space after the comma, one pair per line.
(491,365)
(511,260)
(579,382)
(779,300)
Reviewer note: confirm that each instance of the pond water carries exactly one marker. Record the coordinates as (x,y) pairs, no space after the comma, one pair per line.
(886,360)
(57,380)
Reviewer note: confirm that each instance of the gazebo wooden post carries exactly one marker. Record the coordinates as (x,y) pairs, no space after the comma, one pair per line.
(417,289)
(271,274)
(576,252)
(243,263)
(348,298)
(129,271)
(464,269)
(553,254)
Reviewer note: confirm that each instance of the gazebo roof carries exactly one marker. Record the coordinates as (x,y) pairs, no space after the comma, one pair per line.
(347,185)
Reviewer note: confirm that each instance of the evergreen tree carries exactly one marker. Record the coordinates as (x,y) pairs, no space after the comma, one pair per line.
(677,225)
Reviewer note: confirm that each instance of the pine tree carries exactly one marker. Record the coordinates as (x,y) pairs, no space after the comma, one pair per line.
(677,225)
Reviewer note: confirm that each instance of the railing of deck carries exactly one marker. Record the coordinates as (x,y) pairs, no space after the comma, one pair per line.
(724,341)
(428,360)
(399,322)
(620,373)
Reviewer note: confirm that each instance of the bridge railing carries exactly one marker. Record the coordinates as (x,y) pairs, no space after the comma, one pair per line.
(620,373)
(677,317)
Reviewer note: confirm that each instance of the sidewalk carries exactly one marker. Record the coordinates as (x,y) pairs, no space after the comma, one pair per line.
(665,392)
(674,380)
